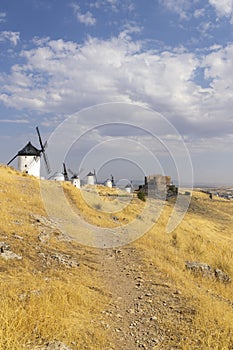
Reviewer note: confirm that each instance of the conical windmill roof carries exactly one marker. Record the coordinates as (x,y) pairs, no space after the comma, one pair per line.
(90,174)
(128,186)
(29,150)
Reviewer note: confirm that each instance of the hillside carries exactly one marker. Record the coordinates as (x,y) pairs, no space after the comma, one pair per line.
(59,294)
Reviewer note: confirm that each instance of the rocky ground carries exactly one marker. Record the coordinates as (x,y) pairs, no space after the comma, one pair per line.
(146,310)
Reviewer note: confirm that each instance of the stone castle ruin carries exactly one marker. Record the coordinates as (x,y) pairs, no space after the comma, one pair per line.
(158,186)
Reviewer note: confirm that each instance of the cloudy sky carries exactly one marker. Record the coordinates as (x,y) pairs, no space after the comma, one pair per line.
(173,57)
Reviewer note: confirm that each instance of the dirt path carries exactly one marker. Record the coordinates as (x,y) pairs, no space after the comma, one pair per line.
(146,311)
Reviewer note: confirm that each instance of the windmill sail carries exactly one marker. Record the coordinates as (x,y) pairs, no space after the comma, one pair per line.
(43,146)
(75,175)
(65,173)
(95,177)
(12,159)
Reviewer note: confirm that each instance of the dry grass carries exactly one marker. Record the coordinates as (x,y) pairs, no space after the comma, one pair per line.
(37,311)
(205,235)
(101,206)
(40,301)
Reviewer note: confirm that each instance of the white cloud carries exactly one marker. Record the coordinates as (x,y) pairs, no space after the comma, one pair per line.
(199,13)
(40,41)
(13,37)
(14,121)
(114,5)
(206,27)
(2,17)
(85,18)
(223,7)
(61,77)
(181,7)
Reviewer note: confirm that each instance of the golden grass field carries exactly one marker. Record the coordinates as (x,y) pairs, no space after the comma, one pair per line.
(39,302)
(43,301)
(205,235)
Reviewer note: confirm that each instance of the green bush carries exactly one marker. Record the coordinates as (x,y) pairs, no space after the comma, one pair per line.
(142,196)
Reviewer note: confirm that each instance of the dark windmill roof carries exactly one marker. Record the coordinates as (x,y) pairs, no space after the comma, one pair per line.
(128,186)
(90,174)
(29,150)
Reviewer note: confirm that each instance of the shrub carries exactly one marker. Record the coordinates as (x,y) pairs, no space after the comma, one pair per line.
(97,206)
(142,196)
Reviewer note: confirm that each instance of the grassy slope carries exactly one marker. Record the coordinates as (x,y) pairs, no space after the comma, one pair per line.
(205,235)
(43,300)
(66,308)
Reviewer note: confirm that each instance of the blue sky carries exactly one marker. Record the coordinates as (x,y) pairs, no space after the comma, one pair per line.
(175,57)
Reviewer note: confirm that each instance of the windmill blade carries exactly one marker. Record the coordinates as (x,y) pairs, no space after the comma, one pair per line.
(72,173)
(95,177)
(40,140)
(12,159)
(47,166)
(77,173)
(65,172)
(45,144)
(46,163)
(80,171)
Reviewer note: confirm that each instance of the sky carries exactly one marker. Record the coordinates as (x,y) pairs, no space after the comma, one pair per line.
(143,86)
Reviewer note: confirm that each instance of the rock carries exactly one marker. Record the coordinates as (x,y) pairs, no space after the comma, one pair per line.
(197,267)
(65,260)
(4,246)
(28,294)
(18,237)
(207,271)
(177,292)
(43,237)
(222,276)
(49,228)
(153,318)
(57,345)
(17,222)
(42,220)
(6,253)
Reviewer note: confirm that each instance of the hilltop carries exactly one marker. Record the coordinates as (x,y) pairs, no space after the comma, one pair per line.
(59,294)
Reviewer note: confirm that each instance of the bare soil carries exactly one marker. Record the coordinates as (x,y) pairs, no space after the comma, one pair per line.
(146,311)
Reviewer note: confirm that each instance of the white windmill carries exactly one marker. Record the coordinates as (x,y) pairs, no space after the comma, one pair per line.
(75,180)
(60,176)
(29,158)
(129,187)
(110,182)
(91,178)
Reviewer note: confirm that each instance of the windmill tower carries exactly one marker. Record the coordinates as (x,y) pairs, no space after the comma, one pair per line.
(63,176)
(108,183)
(129,187)
(91,178)
(75,180)
(29,158)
